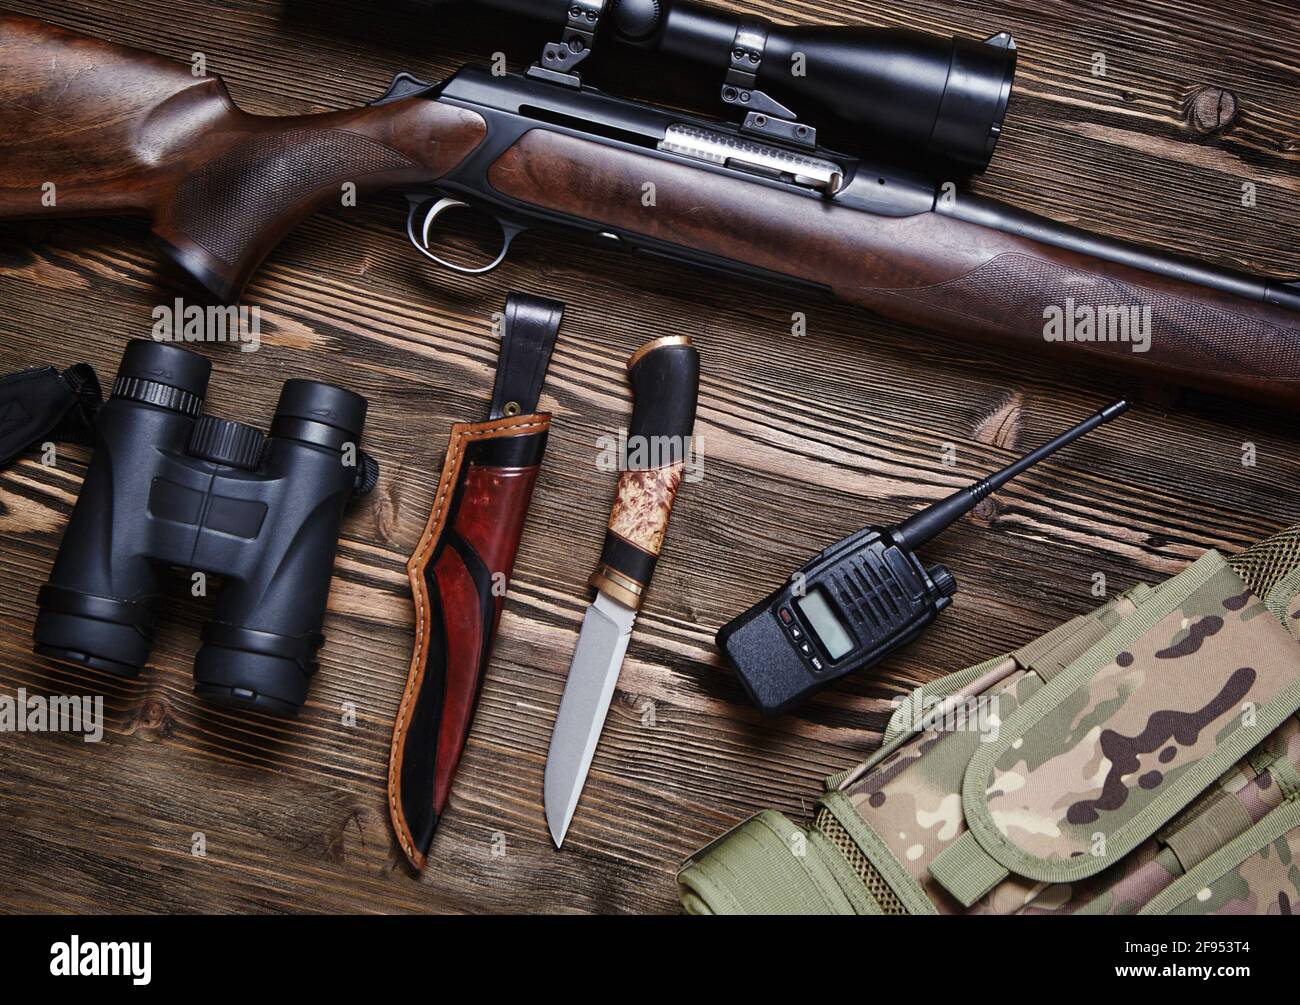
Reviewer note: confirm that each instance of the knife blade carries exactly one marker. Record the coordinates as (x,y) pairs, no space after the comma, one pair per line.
(593,674)
(665,376)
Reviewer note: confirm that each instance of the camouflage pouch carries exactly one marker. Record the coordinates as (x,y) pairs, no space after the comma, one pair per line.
(1143,757)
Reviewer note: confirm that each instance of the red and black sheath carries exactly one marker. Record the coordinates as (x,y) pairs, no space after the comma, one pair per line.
(468,548)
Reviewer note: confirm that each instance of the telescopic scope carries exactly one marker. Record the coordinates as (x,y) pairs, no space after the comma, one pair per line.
(945,99)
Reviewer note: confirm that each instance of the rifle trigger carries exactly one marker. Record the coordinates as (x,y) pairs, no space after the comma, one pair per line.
(509,232)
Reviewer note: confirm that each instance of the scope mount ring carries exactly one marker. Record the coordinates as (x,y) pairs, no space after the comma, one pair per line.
(581,25)
(764,115)
(421,242)
(747,52)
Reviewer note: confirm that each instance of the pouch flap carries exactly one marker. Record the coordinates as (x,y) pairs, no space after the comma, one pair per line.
(1124,738)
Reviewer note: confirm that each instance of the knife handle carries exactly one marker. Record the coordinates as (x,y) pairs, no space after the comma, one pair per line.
(665,379)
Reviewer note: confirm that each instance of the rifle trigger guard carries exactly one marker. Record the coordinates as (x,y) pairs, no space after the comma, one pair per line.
(421,242)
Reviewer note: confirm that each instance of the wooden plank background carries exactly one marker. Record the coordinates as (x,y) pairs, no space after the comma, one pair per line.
(805,440)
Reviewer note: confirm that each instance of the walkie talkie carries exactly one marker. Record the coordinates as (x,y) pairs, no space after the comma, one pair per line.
(859,600)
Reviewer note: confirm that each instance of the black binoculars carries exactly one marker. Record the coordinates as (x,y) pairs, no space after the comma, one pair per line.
(171,487)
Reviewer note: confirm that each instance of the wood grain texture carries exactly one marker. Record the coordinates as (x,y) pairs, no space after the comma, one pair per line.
(805,440)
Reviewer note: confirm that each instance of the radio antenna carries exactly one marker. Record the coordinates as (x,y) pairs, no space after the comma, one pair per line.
(921,527)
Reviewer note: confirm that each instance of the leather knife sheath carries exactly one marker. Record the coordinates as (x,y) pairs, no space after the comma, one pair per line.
(460,571)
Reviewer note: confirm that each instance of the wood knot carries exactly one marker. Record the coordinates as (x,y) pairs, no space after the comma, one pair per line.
(387,507)
(1211,110)
(346,839)
(985,512)
(152,718)
(1001,427)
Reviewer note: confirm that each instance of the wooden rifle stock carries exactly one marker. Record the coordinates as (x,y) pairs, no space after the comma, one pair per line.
(89,128)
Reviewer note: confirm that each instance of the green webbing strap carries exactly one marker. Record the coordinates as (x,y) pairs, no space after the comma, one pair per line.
(1107,903)
(902,723)
(1261,759)
(1140,593)
(1048,661)
(1283,819)
(1051,653)
(1273,756)
(903,885)
(1034,651)
(693,904)
(1140,821)
(1283,771)
(1223,819)
(766,865)
(849,881)
(966,870)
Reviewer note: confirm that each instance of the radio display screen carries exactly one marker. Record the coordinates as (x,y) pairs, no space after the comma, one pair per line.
(826,625)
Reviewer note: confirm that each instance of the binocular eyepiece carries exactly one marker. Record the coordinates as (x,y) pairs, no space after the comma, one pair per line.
(171,487)
(942,99)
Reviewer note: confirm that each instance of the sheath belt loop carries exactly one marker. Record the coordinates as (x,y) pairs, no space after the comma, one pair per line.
(529,330)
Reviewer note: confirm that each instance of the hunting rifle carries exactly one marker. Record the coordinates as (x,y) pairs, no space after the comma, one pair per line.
(92,128)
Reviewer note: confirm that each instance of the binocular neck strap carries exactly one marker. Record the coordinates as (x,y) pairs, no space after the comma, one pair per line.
(43,404)
(528,336)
